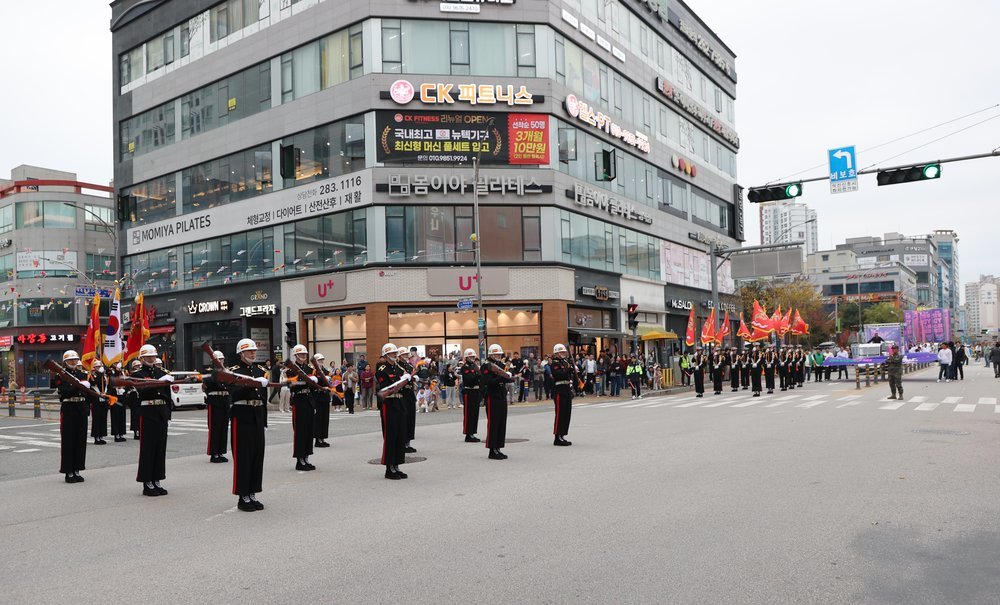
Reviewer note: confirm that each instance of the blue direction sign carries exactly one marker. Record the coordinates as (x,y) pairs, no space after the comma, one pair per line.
(465,304)
(843,169)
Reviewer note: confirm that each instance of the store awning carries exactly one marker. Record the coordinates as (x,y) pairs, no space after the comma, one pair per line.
(162,330)
(669,335)
(643,329)
(595,333)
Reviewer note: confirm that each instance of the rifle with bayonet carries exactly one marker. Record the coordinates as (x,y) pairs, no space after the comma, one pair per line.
(61,372)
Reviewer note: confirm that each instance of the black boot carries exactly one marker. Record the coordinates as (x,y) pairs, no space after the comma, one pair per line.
(496,455)
(471,439)
(256,504)
(148,489)
(245,504)
(400,473)
(391,474)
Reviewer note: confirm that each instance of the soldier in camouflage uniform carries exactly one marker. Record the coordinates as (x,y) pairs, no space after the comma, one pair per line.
(894,367)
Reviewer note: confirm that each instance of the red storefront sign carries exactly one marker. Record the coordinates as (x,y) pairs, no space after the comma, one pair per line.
(528,137)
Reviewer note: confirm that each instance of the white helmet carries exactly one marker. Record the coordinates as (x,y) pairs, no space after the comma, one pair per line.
(158,362)
(70,355)
(403,350)
(136,364)
(300,350)
(319,357)
(496,349)
(470,352)
(246,344)
(147,351)
(389,348)
(218,355)
(559,348)
(97,363)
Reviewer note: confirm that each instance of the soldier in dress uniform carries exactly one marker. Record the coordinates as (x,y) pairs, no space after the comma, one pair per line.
(745,369)
(321,405)
(131,397)
(389,375)
(249,419)
(800,366)
(564,378)
(217,398)
(733,360)
(72,420)
(717,371)
(469,373)
(494,379)
(409,399)
(118,409)
(154,415)
(698,370)
(98,405)
(756,369)
(770,364)
(784,369)
(303,416)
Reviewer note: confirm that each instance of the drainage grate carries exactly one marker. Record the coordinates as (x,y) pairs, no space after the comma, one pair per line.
(409,460)
(941,432)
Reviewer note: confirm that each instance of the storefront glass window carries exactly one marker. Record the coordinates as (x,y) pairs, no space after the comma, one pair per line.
(149,202)
(436,332)
(340,336)
(222,334)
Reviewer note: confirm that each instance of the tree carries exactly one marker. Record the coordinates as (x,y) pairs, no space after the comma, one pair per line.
(798,294)
(883,313)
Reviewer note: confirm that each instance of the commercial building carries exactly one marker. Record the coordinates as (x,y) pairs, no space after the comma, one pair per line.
(840,280)
(311,162)
(981,306)
(789,221)
(57,243)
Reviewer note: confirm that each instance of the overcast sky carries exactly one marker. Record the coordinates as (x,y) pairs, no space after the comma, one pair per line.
(812,76)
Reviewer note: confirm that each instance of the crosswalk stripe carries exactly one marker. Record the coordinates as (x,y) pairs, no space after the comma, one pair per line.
(844,405)
(689,405)
(926,407)
(787,398)
(6,447)
(25,451)
(169,434)
(893,406)
(747,404)
(965,407)
(988,400)
(815,397)
(716,404)
(918,399)
(952,399)
(849,398)
(810,404)
(998,409)
(775,404)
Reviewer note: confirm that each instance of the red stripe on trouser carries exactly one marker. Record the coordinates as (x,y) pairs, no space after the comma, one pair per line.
(465,413)
(555,425)
(295,428)
(208,448)
(385,428)
(489,413)
(236,458)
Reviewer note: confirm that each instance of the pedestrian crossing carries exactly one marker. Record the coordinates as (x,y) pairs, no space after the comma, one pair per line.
(809,400)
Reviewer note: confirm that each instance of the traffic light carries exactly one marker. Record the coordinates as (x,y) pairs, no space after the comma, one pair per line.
(922,172)
(782,191)
(604,165)
(291,334)
(633,316)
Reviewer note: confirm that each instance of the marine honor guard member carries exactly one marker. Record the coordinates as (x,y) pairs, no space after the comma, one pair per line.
(118,409)
(409,399)
(321,405)
(390,379)
(98,405)
(471,395)
(494,379)
(154,415)
(563,378)
(131,397)
(303,416)
(249,419)
(217,399)
(698,370)
(72,420)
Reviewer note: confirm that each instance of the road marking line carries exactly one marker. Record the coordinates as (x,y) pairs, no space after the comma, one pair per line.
(893,406)
(787,398)
(24,426)
(660,405)
(926,407)
(988,400)
(815,397)
(998,409)
(965,407)
(6,447)
(690,405)
(848,403)
(918,399)
(747,404)
(29,441)
(25,451)
(775,404)
(46,435)
(849,398)
(720,403)
(169,434)
(952,399)
(810,404)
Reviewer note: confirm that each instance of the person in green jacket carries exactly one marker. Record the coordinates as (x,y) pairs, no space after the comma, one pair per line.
(817,359)
(634,374)
(685,369)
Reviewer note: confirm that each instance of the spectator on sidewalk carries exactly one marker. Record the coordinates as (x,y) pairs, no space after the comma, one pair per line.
(994,358)
(944,363)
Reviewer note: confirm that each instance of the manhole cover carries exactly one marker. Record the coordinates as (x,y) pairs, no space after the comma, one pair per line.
(941,432)
(514,440)
(409,460)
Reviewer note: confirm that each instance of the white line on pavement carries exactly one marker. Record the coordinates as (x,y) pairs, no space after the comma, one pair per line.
(848,403)
(893,406)
(787,398)
(747,404)
(775,404)
(965,407)
(692,404)
(988,400)
(815,397)
(849,398)
(926,407)
(810,404)
(24,426)
(716,404)
(25,451)
(952,399)
(918,399)
(6,447)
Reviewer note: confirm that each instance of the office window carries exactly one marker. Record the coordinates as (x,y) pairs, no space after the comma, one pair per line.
(243,94)
(98,218)
(329,150)
(100,267)
(460,58)
(45,215)
(6,218)
(441,234)
(149,201)
(147,131)
(160,51)
(236,177)
(232,16)
(130,65)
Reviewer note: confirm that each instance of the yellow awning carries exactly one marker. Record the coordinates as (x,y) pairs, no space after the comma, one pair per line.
(659,335)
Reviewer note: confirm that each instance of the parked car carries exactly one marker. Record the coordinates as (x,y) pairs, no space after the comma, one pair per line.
(188,393)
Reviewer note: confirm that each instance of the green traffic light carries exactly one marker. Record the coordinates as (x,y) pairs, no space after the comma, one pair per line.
(932,171)
(793,190)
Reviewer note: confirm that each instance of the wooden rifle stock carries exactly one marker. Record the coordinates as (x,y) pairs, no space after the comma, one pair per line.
(302,376)
(320,375)
(60,371)
(216,364)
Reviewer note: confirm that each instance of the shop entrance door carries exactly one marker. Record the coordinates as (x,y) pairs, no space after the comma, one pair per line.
(35,374)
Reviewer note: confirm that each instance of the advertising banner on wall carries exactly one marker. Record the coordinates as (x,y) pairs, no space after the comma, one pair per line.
(929,325)
(685,266)
(887,332)
(457,137)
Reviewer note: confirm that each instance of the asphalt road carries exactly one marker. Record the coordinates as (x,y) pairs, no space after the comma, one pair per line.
(820,495)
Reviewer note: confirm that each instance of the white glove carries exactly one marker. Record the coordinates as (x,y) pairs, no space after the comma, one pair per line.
(101,370)
(167,378)
(85,383)
(262,381)
(509,375)
(314,379)
(406,377)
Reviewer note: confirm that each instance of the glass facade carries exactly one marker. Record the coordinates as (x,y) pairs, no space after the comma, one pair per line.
(590,242)
(460,48)
(340,336)
(321,64)
(45,311)
(236,177)
(45,215)
(327,151)
(6,218)
(148,202)
(438,332)
(327,242)
(232,16)
(234,98)
(147,131)
(441,234)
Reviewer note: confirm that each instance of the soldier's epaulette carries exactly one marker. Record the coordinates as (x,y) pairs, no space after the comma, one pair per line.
(380,366)
(234,368)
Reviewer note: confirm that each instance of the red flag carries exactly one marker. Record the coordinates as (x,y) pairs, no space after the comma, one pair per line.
(689,338)
(724,330)
(759,335)
(759,320)
(93,342)
(799,327)
(138,332)
(786,323)
(743,332)
(708,329)
(775,321)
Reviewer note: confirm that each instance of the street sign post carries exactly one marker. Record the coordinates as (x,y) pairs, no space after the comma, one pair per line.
(843,169)
(465,304)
